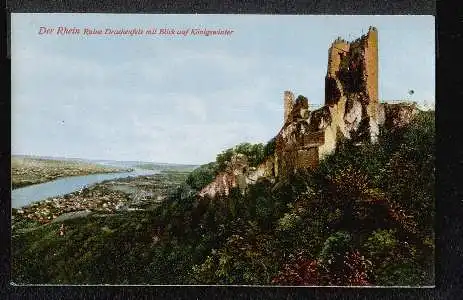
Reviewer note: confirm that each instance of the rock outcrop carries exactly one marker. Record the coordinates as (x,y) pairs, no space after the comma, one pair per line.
(238,174)
(233,176)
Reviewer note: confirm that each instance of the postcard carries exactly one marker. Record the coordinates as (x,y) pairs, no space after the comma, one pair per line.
(242,150)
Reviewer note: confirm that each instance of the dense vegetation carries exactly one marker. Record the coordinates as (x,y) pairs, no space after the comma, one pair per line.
(363,217)
(255,153)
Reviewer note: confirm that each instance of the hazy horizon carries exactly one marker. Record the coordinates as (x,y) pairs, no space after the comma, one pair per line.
(183,100)
(97,159)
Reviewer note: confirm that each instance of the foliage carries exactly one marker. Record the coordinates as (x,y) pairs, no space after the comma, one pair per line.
(377,198)
(242,260)
(255,154)
(352,271)
(202,176)
(224,158)
(288,222)
(411,171)
(381,242)
(335,246)
(301,99)
(269,148)
(351,69)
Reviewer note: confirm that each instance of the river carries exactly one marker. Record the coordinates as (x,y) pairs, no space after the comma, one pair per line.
(33,193)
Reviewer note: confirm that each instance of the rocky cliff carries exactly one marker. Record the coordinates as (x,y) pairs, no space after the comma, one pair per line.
(238,174)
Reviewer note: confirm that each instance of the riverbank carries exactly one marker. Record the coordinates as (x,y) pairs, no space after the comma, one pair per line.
(27,171)
(142,192)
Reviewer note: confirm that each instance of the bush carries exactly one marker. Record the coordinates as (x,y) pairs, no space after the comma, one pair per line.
(381,243)
(288,222)
(335,247)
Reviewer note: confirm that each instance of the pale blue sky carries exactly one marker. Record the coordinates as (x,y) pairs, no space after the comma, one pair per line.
(184,99)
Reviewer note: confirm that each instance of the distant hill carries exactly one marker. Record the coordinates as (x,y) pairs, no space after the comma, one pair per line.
(117,163)
(165,166)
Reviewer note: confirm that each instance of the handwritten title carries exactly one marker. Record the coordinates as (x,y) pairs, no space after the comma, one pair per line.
(63,30)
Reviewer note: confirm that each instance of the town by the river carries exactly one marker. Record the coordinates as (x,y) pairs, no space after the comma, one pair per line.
(123,186)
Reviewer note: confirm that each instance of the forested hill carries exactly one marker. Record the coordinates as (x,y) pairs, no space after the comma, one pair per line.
(364,216)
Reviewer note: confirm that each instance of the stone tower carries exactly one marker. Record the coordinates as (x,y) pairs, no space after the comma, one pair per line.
(353,69)
(352,84)
(338,50)
(371,64)
(288,104)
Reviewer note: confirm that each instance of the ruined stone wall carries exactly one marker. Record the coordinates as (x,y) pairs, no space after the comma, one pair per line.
(397,115)
(371,74)
(371,64)
(353,68)
(338,48)
(307,158)
(336,52)
(296,145)
(288,104)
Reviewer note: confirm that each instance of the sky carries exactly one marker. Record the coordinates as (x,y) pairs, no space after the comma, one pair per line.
(183,99)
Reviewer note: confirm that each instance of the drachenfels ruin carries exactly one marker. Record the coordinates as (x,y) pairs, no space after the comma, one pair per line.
(352,110)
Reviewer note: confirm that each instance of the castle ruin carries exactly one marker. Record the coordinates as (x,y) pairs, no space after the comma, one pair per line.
(351,110)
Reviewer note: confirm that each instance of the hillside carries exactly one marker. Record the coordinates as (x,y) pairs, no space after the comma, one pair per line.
(364,216)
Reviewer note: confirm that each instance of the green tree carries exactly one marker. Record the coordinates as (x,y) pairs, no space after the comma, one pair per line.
(269,148)
(202,176)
